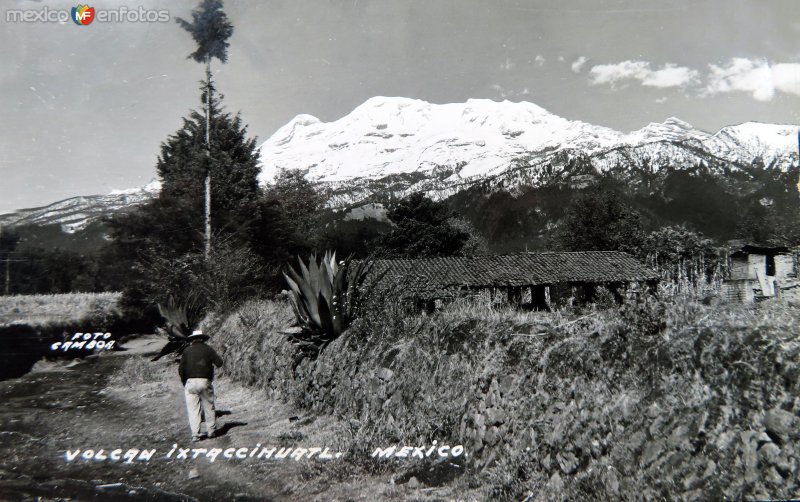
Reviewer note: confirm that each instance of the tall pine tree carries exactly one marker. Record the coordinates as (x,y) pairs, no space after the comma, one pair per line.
(210,29)
(159,249)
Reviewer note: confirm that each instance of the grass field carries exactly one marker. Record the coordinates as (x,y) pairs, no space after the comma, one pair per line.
(44,310)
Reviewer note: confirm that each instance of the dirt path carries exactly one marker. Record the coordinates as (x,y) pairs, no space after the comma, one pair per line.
(123,401)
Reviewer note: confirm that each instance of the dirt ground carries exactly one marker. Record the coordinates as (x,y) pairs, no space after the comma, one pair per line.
(95,404)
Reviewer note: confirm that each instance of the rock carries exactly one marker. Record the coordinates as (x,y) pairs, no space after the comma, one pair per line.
(492,436)
(750,461)
(556,436)
(193,474)
(385,374)
(679,437)
(711,468)
(413,482)
(762,438)
(555,484)
(375,388)
(611,482)
(489,459)
(568,462)
(784,468)
(476,445)
(780,424)
(676,460)
(506,383)
(690,482)
(724,440)
(652,451)
(495,416)
(596,449)
(547,462)
(769,453)
(636,440)
(481,433)
(773,476)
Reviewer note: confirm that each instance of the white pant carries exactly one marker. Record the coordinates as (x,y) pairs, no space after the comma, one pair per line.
(197,390)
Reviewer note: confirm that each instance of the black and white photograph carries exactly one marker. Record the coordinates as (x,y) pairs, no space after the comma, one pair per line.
(399,250)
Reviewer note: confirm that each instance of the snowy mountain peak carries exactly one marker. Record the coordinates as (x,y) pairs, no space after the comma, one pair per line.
(779,135)
(391,136)
(443,146)
(672,129)
(153,187)
(770,142)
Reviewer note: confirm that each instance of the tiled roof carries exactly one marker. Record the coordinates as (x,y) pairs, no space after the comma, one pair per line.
(522,269)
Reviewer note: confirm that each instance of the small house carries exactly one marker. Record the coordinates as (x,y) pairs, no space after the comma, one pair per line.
(758,272)
(530,280)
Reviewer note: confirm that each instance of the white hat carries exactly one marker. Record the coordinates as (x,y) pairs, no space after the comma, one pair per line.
(198,333)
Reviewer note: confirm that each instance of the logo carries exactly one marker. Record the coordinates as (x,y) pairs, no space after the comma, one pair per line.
(83,15)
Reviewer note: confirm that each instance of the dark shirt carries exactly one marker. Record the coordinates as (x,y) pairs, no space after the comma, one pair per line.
(198,361)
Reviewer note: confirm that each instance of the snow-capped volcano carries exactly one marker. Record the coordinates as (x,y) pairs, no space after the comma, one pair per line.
(400,145)
(443,147)
(388,136)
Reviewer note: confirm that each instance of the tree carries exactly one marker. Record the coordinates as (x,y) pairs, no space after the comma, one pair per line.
(679,253)
(598,219)
(166,236)
(301,201)
(211,30)
(476,244)
(45,271)
(423,228)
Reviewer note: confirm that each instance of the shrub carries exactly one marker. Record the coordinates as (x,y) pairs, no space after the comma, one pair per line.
(661,399)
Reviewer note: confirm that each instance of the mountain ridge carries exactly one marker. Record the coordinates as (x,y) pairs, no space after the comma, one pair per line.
(395,146)
(394,138)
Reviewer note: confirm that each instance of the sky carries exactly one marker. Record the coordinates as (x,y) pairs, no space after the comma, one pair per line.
(85,108)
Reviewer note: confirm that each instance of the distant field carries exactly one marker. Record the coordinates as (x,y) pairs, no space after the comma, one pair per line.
(44,310)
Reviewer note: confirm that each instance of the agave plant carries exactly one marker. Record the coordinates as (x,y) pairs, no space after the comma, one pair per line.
(325,297)
(180,319)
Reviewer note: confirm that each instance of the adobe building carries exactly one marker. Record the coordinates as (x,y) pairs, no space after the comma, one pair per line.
(760,271)
(528,280)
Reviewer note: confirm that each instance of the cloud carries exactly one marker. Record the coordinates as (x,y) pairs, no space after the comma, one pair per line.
(500,90)
(508,93)
(758,77)
(539,60)
(669,75)
(578,64)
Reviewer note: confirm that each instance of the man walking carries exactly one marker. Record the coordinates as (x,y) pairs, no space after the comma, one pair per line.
(197,374)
